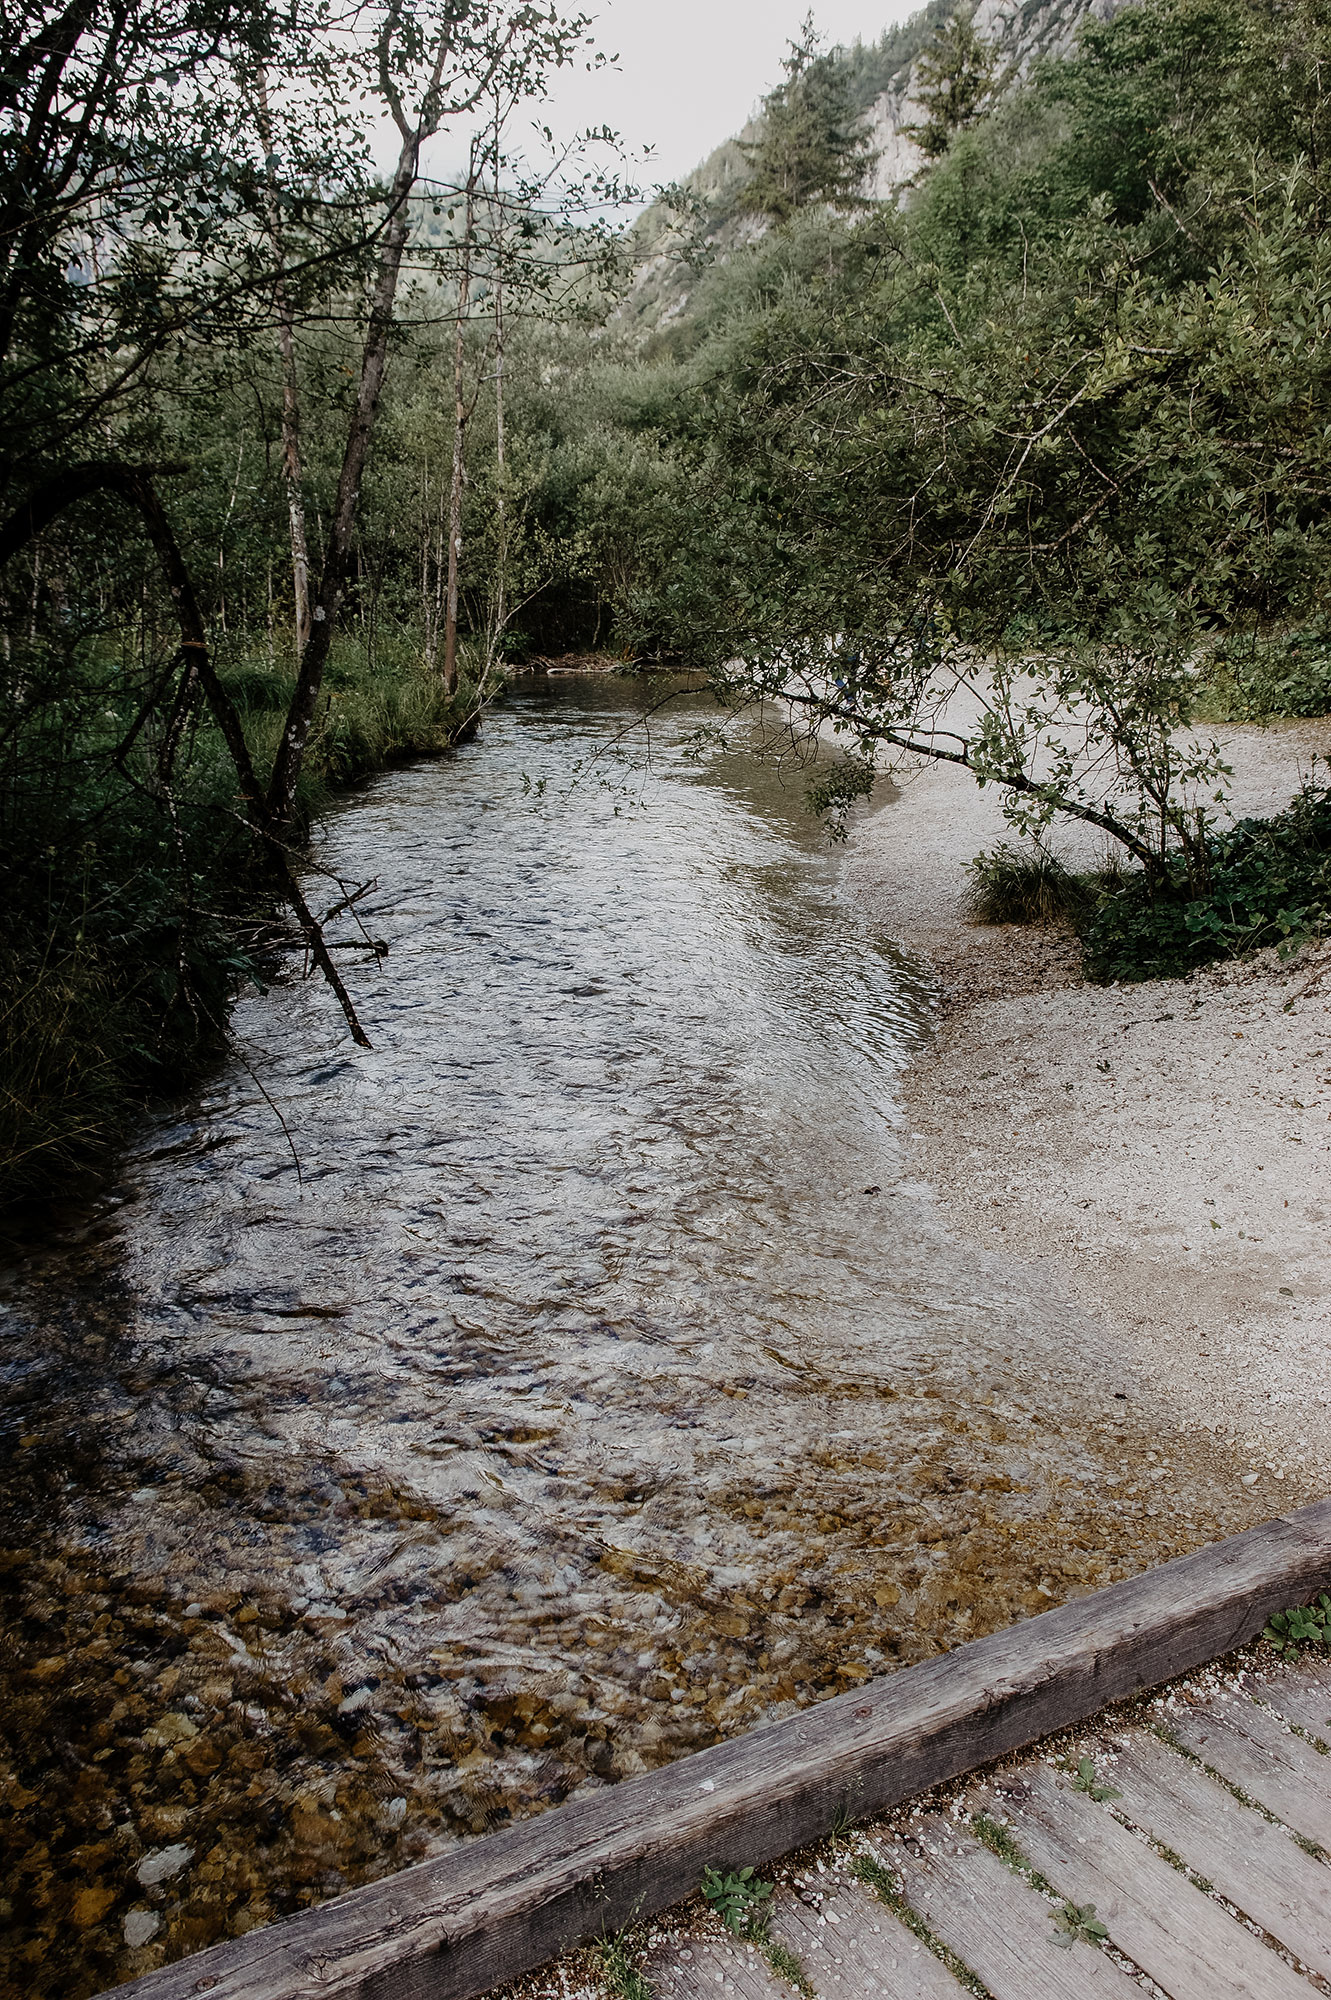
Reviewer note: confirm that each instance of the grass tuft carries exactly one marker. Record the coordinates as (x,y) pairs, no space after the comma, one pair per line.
(619,1971)
(1025,886)
(789,1966)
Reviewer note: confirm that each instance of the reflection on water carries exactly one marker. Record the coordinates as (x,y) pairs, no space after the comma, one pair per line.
(599,1387)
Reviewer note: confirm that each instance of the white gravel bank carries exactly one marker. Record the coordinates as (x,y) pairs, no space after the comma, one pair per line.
(1161,1151)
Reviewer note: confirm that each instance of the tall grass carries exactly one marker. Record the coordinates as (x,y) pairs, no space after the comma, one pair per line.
(1027,885)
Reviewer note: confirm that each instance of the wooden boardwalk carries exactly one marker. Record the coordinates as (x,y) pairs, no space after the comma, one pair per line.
(491,1910)
(1201,1840)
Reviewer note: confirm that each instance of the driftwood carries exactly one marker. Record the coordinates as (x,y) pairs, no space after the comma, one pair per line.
(454,1927)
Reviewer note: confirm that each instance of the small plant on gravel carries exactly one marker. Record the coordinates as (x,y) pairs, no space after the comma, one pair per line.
(789,1967)
(1301,1625)
(1085,1780)
(1077,1923)
(1025,886)
(619,1972)
(737,1899)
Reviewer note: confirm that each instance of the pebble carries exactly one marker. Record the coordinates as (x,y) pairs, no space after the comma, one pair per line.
(140,1926)
(162,1864)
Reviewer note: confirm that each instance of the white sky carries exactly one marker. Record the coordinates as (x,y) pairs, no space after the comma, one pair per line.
(691,71)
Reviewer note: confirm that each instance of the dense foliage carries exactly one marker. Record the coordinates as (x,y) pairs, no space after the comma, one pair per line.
(1265,882)
(1028,467)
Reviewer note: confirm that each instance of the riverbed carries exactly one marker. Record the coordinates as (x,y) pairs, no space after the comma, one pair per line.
(407,1439)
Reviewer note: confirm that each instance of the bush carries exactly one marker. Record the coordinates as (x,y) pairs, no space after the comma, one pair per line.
(131,919)
(1025,886)
(1265,882)
(1288,674)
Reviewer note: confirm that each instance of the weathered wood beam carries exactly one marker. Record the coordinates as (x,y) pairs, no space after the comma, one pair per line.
(454,1927)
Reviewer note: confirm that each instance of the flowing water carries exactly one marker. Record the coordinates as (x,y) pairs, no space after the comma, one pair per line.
(414,1437)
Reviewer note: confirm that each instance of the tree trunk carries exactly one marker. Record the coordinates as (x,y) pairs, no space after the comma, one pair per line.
(291,473)
(460,415)
(342,529)
(292,466)
(500,616)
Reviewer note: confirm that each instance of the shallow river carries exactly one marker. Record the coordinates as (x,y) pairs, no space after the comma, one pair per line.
(595,1386)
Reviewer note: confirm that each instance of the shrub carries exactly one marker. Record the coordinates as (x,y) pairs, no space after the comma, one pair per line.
(1265,882)
(1287,674)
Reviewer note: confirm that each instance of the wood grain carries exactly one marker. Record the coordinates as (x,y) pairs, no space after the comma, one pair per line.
(996,1923)
(704,1967)
(1254,1865)
(854,1948)
(1302,1694)
(454,1927)
(1255,1751)
(1184,1941)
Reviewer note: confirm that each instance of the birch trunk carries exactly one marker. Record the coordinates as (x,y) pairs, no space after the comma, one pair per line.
(500,617)
(460,416)
(292,466)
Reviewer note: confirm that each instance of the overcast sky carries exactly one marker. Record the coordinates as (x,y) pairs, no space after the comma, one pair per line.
(691,71)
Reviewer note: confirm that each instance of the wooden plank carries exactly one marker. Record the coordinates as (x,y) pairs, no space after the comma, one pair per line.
(700,1968)
(1301,1692)
(1306,1708)
(1185,1942)
(853,1945)
(996,1923)
(1255,1866)
(452,1928)
(1255,1751)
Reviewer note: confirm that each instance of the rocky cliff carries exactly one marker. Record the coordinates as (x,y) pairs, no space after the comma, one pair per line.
(882,78)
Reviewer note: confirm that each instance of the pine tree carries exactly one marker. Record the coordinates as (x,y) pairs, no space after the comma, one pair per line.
(811,147)
(954,84)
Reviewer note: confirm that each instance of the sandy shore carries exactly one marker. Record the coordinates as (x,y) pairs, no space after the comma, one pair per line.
(1160,1152)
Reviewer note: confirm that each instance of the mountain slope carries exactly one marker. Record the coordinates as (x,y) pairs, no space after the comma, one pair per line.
(882,75)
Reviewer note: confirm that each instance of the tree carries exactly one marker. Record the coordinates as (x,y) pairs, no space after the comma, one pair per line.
(953,82)
(130,189)
(453,62)
(998,498)
(812,146)
(168,184)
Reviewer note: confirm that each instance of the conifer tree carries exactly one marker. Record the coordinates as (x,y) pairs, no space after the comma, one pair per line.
(954,83)
(812,147)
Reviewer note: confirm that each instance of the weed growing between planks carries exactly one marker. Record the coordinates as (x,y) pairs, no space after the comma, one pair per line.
(738,1899)
(1085,1780)
(619,1970)
(1302,1625)
(1077,1923)
(789,1966)
(880,1879)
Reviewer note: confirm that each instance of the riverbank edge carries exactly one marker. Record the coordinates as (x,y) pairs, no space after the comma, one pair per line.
(35,1178)
(467,1922)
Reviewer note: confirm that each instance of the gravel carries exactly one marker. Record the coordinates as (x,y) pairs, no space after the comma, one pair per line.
(1162,1152)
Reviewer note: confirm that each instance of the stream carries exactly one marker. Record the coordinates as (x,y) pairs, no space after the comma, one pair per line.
(408,1439)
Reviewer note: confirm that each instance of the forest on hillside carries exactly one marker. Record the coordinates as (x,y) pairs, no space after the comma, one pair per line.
(301,455)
